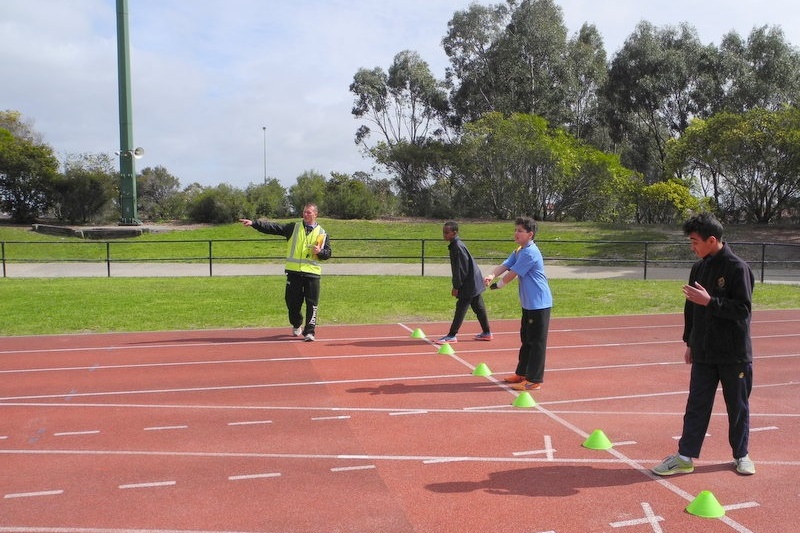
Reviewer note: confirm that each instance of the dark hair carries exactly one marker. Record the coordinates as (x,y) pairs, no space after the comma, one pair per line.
(451,225)
(528,223)
(705,225)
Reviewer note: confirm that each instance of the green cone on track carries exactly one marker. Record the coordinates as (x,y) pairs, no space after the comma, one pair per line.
(524,399)
(597,441)
(482,370)
(446,349)
(705,505)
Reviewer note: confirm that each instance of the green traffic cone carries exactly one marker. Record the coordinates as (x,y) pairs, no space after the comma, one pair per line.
(597,441)
(524,399)
(417,334)
(705,505)
(482,370)
(446,349)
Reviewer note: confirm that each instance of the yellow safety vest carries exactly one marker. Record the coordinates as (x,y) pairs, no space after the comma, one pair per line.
(299,251)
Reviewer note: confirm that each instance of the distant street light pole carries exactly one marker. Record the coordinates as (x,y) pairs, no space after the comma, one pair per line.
(264,128)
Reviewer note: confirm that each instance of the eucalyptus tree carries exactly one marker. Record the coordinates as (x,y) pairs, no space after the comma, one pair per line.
(586,71)
(762,72)
(474,74)
(530,55)
(659,80)
(407,107)
(515,57)
(748,163)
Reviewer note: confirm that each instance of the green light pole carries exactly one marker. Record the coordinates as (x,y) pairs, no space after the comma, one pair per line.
(127,154)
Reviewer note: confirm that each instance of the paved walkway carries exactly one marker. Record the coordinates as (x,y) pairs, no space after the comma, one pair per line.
(122,269)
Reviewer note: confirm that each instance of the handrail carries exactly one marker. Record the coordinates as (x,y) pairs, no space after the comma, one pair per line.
(760,255)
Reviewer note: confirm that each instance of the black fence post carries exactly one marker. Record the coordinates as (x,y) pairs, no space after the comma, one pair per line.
(645,260)
(422,255)
(210,260)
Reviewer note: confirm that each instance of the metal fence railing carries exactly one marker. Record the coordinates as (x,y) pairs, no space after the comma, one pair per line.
(768,259)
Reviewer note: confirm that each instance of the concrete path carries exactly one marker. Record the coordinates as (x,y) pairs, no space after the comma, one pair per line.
(123,269)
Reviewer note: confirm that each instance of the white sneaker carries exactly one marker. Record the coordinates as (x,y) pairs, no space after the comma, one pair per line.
(297,332)
(310,338)
(745,466)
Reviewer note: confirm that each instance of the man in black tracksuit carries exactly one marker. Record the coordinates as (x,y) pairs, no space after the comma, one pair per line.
(307,244)
(717,315)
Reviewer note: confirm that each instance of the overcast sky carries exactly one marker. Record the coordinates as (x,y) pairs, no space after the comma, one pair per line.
(210,75)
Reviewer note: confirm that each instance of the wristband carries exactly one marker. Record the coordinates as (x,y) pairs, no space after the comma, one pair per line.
(500,283)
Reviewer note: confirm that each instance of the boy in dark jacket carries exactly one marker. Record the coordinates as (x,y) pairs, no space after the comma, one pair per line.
(717,335)
(467,286)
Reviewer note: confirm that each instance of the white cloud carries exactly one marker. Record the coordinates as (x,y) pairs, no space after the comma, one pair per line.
(208,75)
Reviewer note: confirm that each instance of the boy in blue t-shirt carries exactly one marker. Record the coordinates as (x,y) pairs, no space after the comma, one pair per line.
(527,264)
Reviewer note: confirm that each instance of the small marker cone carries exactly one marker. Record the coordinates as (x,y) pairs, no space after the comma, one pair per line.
(597,441)
(482,370)
(417,334)
(446,349)
(524,399)
(705,505)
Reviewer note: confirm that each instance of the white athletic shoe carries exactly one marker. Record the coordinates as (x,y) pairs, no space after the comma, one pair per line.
(310,338)
(297,332)
(745,466)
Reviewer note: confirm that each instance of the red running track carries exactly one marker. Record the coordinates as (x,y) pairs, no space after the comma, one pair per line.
(371,430)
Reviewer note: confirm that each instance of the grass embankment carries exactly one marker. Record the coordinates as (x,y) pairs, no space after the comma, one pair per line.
(69,305)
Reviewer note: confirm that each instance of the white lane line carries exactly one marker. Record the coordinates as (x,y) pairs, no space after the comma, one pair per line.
(71,433)
(548,450)
(341,417)
(302,456)
(744,505)
(165,428)
(254,476)
(649,518)
(18,529)
(148,485)
(250,423)
(34,494)
(766,428)
(7,400)
(350,468)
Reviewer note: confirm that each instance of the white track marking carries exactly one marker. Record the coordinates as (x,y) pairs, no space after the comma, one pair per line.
(71,433)
(250,423)
(351,468)
(150,485)
(253,476)
(34,494)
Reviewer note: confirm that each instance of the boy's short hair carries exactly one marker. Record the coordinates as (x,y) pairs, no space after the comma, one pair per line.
(526,222)
(452,225)
(704,224)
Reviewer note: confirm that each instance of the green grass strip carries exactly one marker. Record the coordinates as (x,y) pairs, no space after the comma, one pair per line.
(73,305)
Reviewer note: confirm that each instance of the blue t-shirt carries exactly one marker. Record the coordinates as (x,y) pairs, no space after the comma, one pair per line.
(528,264)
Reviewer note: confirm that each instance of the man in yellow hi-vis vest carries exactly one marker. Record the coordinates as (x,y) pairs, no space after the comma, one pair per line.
(307,245)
